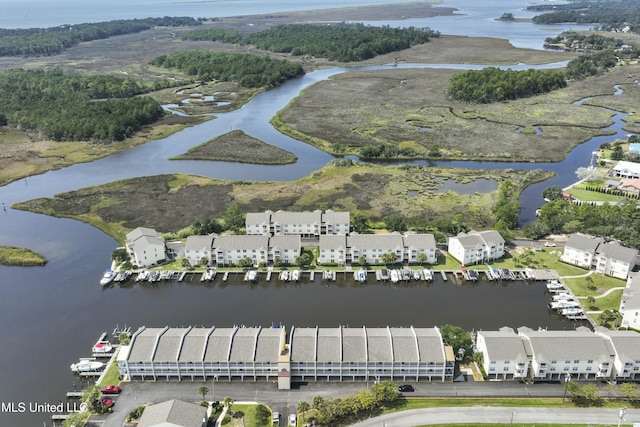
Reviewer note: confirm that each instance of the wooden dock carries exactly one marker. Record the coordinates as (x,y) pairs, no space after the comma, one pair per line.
(444,275)
(74,394)
(226,276)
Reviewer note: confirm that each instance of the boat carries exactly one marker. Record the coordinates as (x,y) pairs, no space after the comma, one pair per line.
(102,347)
(428,274)
(253,276)
(554,285)
(562,296)
(86,365)
(571,311)
(394,276)
(558,305)
(384,274)
(473,275)
(295,275)
(107,277)
(362,276)
(416,275)
(284,275)
(406,275)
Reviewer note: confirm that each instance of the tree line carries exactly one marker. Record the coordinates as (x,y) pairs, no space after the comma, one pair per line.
(246,70)
(610,15)
(76,108)
(493,85)
(562,216)
(53,40)
(339,42)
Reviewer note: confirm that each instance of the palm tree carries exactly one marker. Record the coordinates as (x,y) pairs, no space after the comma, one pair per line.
(227,402)
(203,390)
(302,408)
(422,257)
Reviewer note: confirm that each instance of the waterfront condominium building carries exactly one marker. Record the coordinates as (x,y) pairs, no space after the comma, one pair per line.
(145,246)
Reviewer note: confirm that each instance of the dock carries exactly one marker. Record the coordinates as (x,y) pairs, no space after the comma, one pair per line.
(269,275)
(444,275)
(226,276)
(74,394)
(312,275)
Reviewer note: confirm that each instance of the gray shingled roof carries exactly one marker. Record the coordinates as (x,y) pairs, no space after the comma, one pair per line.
(194,345)
(138,232)
(625,344)
(243,345)
(504,345)
(430,345)
(379,345)
(469,241)
(331,217)
(196,243)
(421,241)
(330,241)
(491,237)
(142,345)
(286,217)
(613,250)
(173,413)
(329,345)
(583,243)
(218,345)
(405,344)
(269,341)
(241,241)
(391,241)
(579,344)
(255,218)
(285,242)
(302,346)
(169,345)
(353,345)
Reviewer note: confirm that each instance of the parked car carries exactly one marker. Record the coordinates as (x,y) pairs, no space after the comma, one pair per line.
(276,419)
(405,388)
(106,402)
(549,244)
(293,419)
(110,389)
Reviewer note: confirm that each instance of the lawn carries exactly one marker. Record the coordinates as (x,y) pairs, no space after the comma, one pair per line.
(593,196)
(112,377)
(580,286)
(249,419)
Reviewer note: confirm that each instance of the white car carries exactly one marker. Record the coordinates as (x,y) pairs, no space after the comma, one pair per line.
(549,244)
(292,419)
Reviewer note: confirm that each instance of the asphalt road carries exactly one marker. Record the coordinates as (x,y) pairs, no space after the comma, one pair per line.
(135,394)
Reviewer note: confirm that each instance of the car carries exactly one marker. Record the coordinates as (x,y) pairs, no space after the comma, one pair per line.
(276,419)
(106,402)
(405,388)
(110,389)
(293,419)
(549,244)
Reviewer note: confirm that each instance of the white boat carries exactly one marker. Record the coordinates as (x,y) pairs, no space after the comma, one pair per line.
(295,275)
(362,276)
(102,347)
(107,277)
(394,276)
(416,275)
(558,305)
(554,285)
(87,365)
(571,311)
(428,274)
(562,296)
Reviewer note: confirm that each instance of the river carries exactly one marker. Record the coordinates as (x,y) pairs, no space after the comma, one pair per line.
(52,315)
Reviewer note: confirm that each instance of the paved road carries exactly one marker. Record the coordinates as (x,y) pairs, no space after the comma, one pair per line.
(286,401)
(488,415)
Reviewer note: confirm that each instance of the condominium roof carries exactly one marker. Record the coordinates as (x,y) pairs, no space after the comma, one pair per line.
(491,237)
(143,344)
(384,241)
(613,250)
(419,240)
(285,242)
(579,344)
(329,343)
(624,342)
(286,217)
(631,294)
(331,217)
(194,345)
(583,243)
(504,344)
(331,241)
(303,344)
(139,232)
(469,240)
(169,345)
(241,241)
(196,243)
(354,347)
(379,348)
(258,217)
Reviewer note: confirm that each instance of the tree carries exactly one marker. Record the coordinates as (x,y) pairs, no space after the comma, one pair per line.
(617,153)
(389,258)
(262,414)
(203,390)
(318,402)
(552,193)
(591,301)
(124,338)
(458,338)
(359,222)
(227,402)
(120,255)
(303,260)
(422,257)
(233,218)
(587,174)
(632,392)
(303,407)
(362,260)
(394,223)
(245,262)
